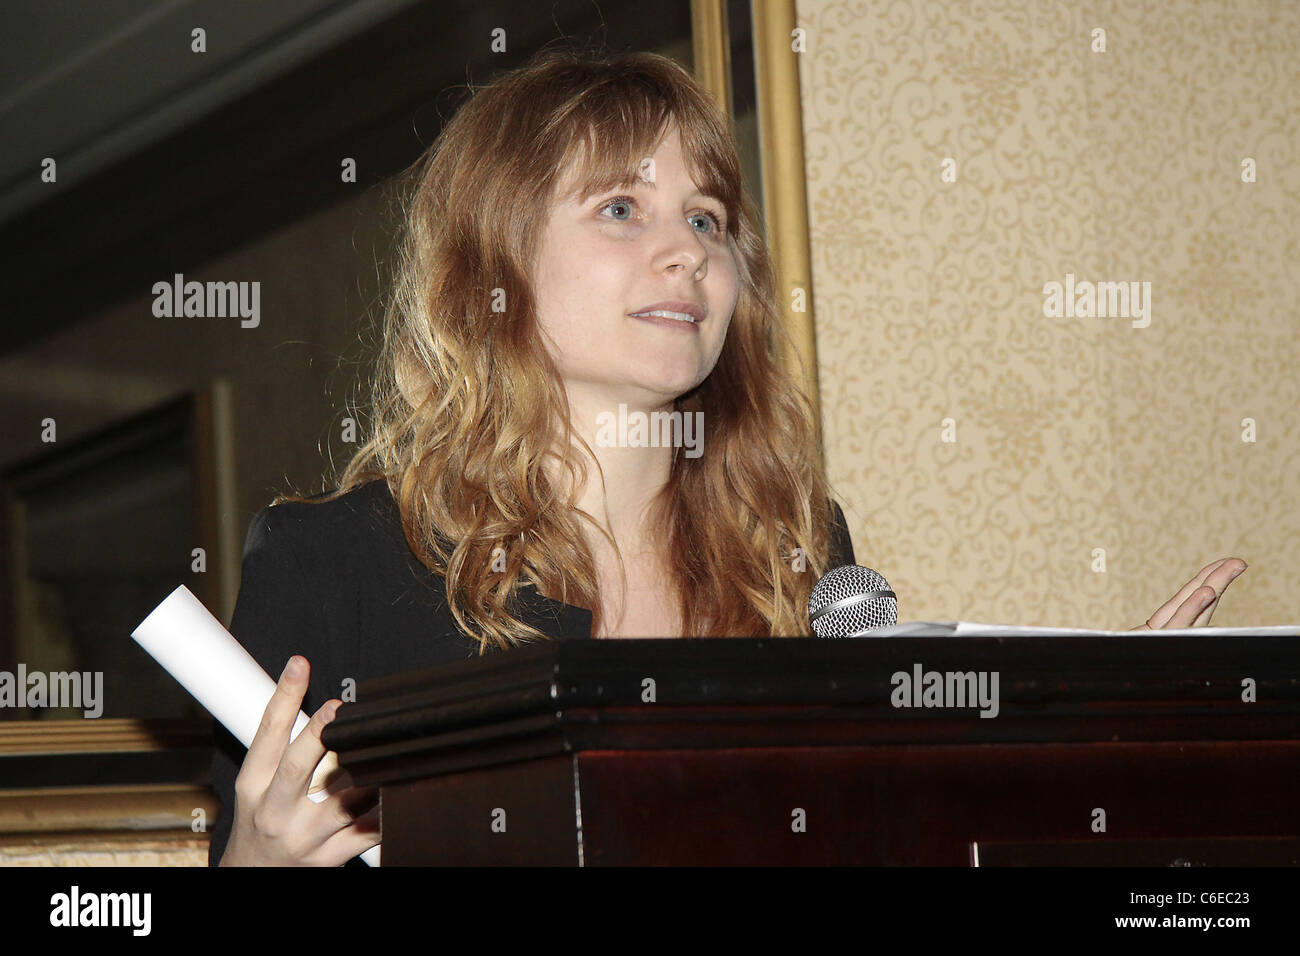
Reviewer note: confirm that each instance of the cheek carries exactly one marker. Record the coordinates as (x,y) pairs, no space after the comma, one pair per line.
(587,274)
(570,329)
(729,298)
(729,292)
(570,309)
(558,276)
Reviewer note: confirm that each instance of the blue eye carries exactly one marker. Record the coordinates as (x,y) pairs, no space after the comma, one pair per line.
(629,201)
(717,223)
(620,201)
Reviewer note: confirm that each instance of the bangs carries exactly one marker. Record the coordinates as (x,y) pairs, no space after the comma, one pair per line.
(606,147)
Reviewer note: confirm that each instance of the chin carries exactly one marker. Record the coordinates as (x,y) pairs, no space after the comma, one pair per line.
(671,390)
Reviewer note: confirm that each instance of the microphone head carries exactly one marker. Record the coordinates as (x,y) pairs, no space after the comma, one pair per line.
(851,599)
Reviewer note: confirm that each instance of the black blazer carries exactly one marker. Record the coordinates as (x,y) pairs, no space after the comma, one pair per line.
(337,583)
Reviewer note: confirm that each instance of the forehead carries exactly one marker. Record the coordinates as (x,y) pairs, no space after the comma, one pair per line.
(585,175)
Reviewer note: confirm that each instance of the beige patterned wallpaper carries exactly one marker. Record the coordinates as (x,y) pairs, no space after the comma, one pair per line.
(994,455)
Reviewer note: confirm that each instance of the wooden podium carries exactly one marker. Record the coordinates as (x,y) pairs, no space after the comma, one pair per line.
(791,751)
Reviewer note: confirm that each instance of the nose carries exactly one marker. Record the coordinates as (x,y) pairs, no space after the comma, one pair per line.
(688,254)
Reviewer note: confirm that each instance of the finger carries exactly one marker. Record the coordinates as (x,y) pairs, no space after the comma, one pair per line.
(352,840)
(315,824)
(300,758)
(1201,599)
(1220,580)
(359,800)
(272,736)
(1203,619)
(338,812)
(1164,615)
(368,824)
(329,776)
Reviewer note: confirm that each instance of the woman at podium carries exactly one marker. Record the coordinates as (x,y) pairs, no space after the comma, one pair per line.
(581,429)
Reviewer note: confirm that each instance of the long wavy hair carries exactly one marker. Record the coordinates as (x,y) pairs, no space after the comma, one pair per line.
(467,406)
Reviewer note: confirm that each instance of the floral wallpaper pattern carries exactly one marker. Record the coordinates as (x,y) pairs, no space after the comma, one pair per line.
(1000,463)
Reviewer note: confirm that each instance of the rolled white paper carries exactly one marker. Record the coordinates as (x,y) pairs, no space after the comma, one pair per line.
(191,645)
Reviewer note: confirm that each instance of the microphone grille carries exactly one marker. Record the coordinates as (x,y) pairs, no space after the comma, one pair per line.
(842,603)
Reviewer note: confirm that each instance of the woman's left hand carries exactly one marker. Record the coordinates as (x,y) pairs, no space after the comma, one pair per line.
(1194,605)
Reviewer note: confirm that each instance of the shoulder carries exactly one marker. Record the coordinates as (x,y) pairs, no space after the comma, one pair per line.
(307,566)
(327,540)
(361,518)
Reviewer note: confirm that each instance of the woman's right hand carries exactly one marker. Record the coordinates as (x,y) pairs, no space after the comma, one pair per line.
(275,822)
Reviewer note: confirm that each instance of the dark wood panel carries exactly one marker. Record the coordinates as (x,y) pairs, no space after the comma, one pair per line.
(746,732)
(927,805)
(448,821)
(1164,802)
(580,695)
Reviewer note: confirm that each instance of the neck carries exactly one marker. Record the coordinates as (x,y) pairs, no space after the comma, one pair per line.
(632,476)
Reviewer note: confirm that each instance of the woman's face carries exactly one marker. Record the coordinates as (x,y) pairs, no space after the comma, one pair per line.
(604,258)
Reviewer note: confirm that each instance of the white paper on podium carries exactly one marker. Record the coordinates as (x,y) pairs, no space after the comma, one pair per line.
(974,629)
(191,645)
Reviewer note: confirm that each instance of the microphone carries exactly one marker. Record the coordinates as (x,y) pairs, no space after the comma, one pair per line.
(850,601)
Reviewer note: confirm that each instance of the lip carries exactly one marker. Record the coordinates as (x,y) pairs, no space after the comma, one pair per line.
(673,305)
(675,324)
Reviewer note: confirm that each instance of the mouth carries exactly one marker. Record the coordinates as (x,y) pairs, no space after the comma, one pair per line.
(676,311)
(664,317)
